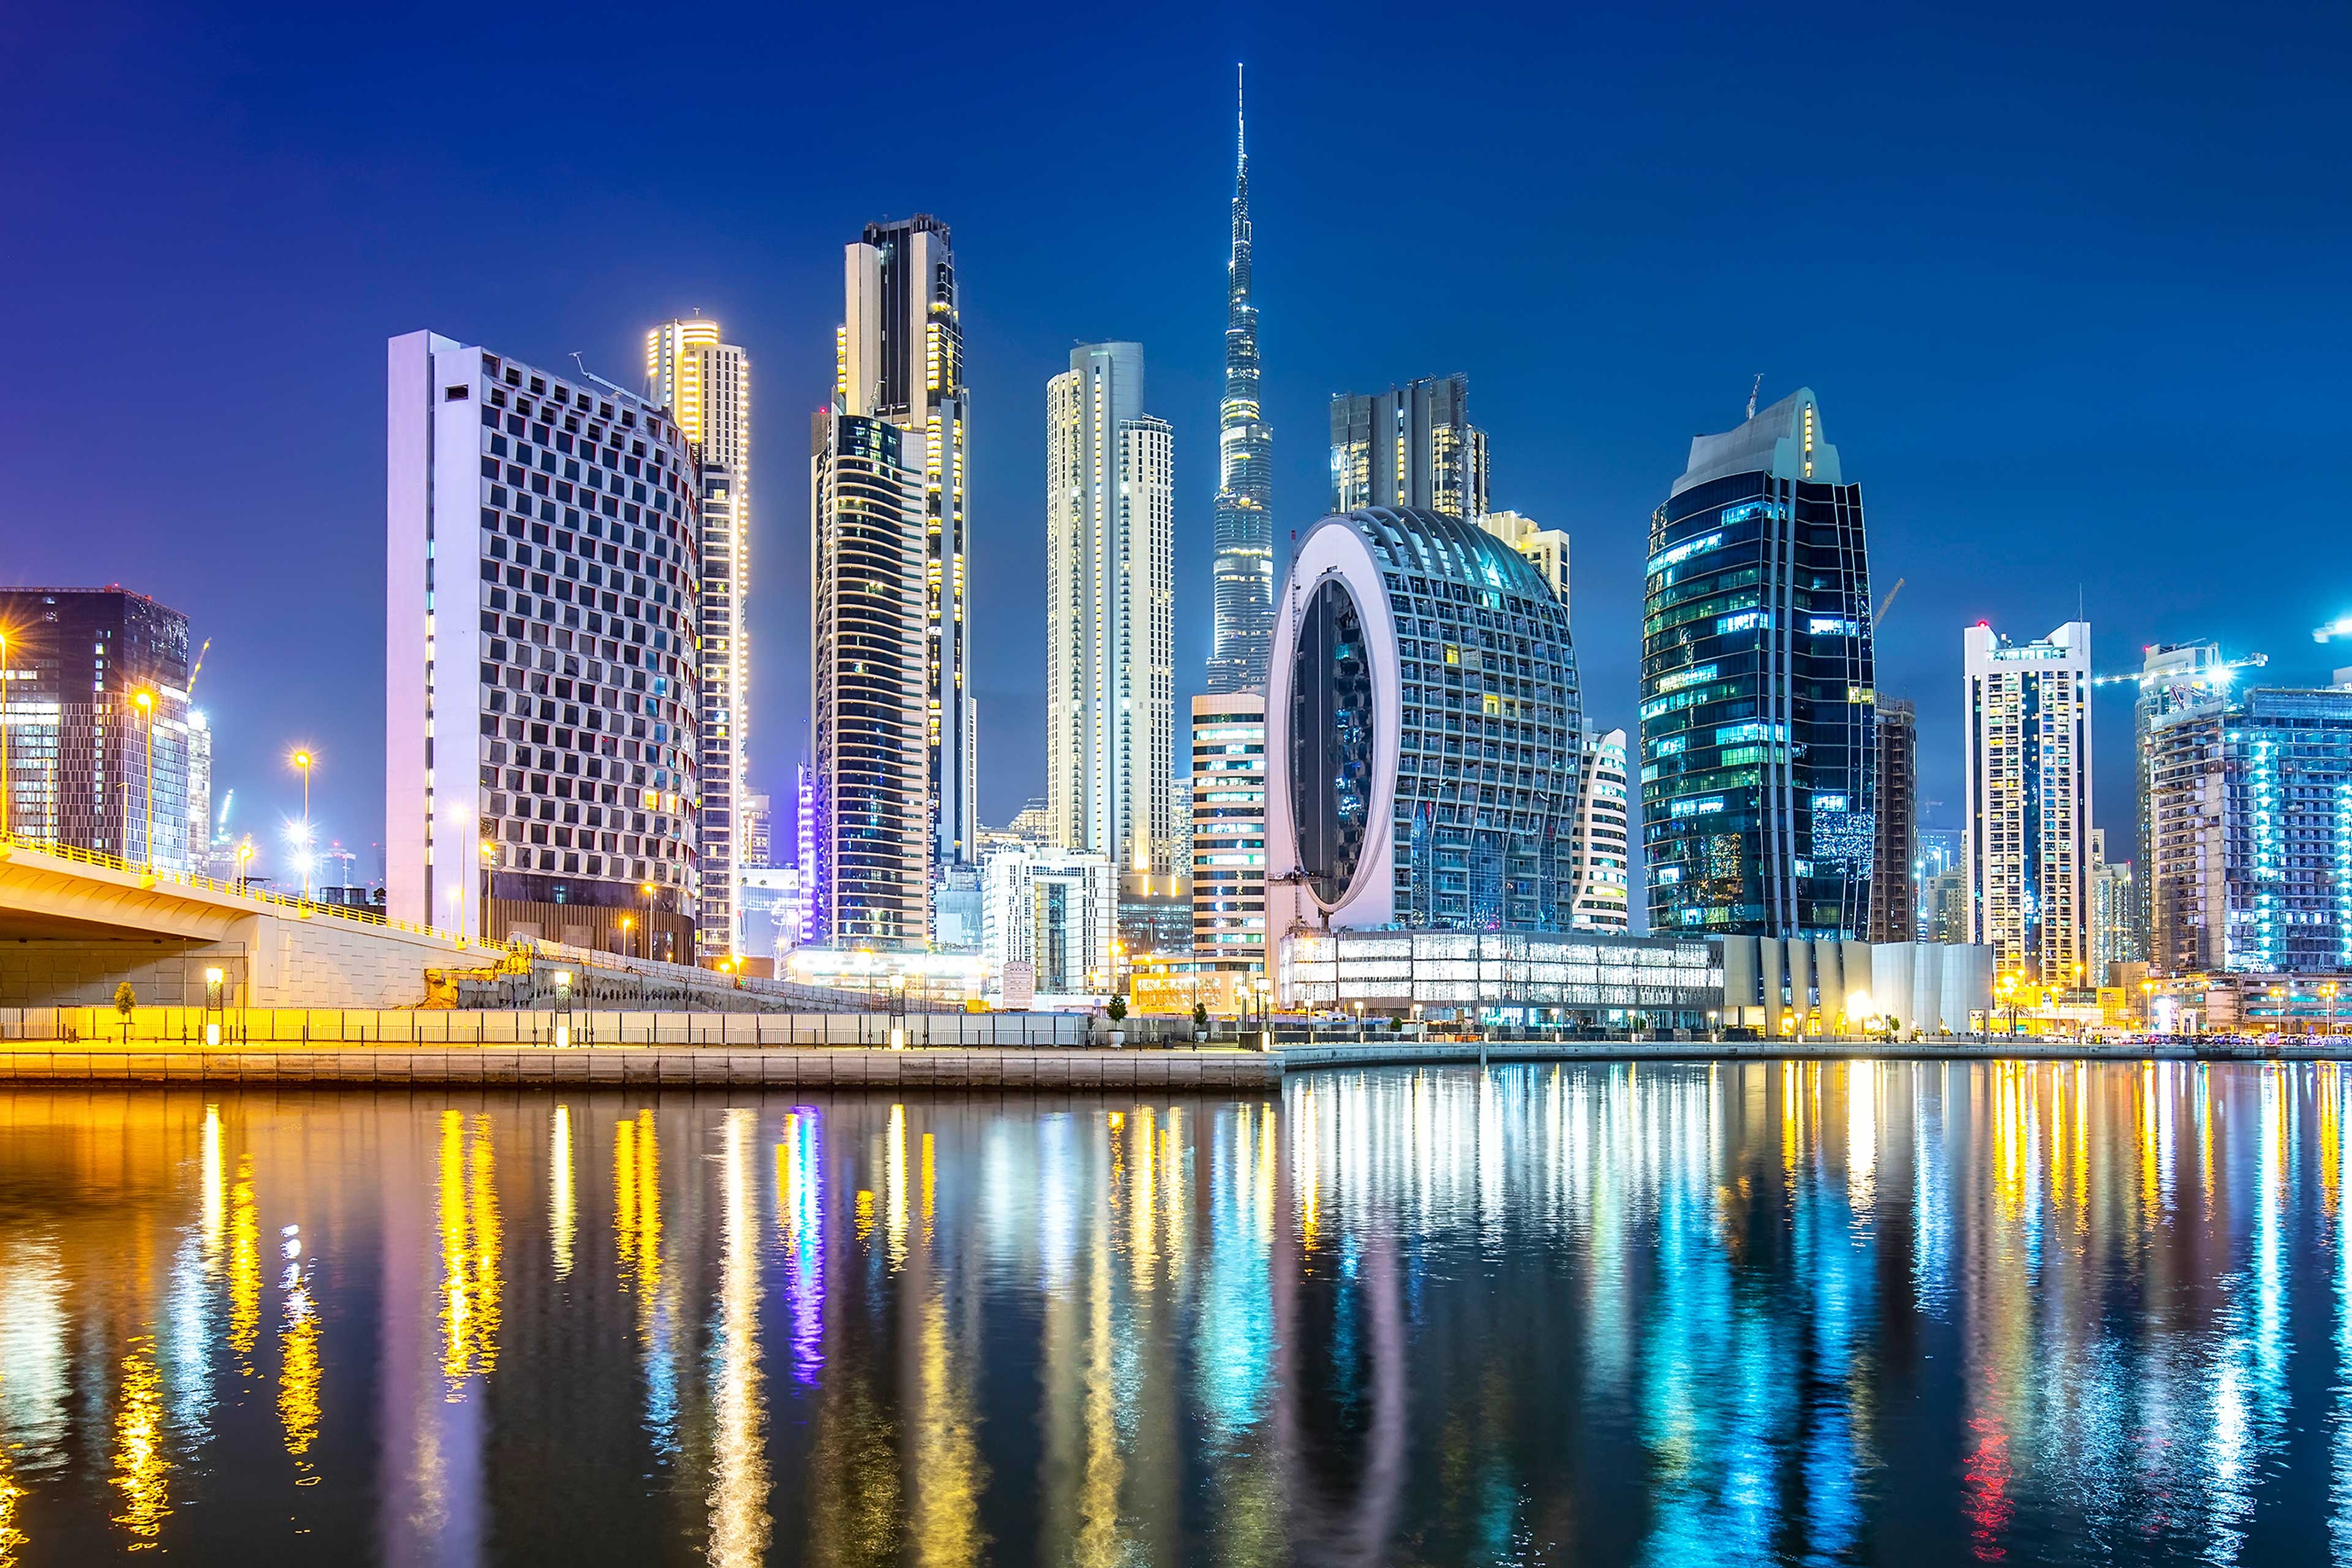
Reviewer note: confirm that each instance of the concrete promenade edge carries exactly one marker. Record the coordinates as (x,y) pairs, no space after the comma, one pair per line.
(1042,1070)
(1047,1070)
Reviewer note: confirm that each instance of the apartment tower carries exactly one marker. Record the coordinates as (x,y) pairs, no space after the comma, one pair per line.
(898,355)
(1228,837)
(2027,839)
(706,384)
(1110,631)
(1411,446)
(869,858)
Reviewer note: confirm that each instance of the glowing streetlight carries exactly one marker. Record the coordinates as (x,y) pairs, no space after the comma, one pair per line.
(645,889)
(303,761)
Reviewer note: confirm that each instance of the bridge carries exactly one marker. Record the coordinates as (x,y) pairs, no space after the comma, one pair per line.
(76,924)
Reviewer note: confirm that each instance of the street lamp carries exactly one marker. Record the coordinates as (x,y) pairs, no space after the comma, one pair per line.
(646,888)
(626,923)
(146,700)
(244,854)
(302,761)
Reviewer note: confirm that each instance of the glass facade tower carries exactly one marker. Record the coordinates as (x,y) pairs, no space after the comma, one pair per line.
(88,765)
(1244,526)
(1758,789)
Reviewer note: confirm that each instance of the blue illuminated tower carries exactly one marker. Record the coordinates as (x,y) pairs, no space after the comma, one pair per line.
(1758,704)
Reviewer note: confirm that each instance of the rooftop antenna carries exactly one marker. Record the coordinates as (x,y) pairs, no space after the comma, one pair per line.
(1752,392)
(1241,129)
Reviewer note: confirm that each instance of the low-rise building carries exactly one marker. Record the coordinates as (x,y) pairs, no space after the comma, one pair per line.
(1055,910)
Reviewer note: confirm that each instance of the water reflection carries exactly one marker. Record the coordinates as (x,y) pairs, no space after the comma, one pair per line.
(1748,1312)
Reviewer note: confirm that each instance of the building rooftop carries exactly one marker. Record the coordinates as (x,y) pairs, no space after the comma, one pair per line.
(1770,442)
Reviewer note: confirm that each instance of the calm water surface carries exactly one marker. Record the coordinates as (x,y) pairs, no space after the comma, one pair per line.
(1912,1313)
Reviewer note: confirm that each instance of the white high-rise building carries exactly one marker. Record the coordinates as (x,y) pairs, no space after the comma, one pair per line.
(1600,843)
(706,385)
(200,792)
(1055,910)
(2027,842)
(868,815)
(542,724)
(898,355)
(1110,631)
(1228,840)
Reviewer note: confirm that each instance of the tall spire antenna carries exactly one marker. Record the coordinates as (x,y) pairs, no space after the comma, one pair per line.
(1241,127)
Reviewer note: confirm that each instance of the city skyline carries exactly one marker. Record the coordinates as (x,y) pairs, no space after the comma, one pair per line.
(2080,499)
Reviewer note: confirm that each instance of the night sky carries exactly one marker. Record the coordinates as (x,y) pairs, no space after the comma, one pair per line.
(2069,286)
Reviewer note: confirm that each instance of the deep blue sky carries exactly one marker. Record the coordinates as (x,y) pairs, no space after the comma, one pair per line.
(2071,287)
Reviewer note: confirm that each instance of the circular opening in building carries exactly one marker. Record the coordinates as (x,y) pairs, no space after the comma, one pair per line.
(1330,739)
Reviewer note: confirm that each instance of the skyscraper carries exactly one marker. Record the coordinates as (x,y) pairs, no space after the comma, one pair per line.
(1411,446)
(869,668)
(1894,882)
(2174,678)
(898,356)
(1243,527)
(1601,845)
(90,765)
(1757,692)
(706,384)
(2028,828)
(541,740)
(1110,627)
(1228,837)
(2114,932)
(2251,803)
(1422,724)
(199,858)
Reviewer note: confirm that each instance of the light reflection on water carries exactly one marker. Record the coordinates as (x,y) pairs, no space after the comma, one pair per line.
(1754,1312)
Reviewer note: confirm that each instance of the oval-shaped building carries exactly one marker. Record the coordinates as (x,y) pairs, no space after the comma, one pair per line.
(1423,717)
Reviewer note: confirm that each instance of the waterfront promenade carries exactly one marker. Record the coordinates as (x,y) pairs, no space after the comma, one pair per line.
(679,1062)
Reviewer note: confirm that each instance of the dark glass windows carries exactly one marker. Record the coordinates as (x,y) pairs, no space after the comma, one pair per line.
(1332,738)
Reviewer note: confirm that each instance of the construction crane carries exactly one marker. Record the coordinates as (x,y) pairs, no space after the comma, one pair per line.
(1878,616)
(199,669)
(2252,661)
